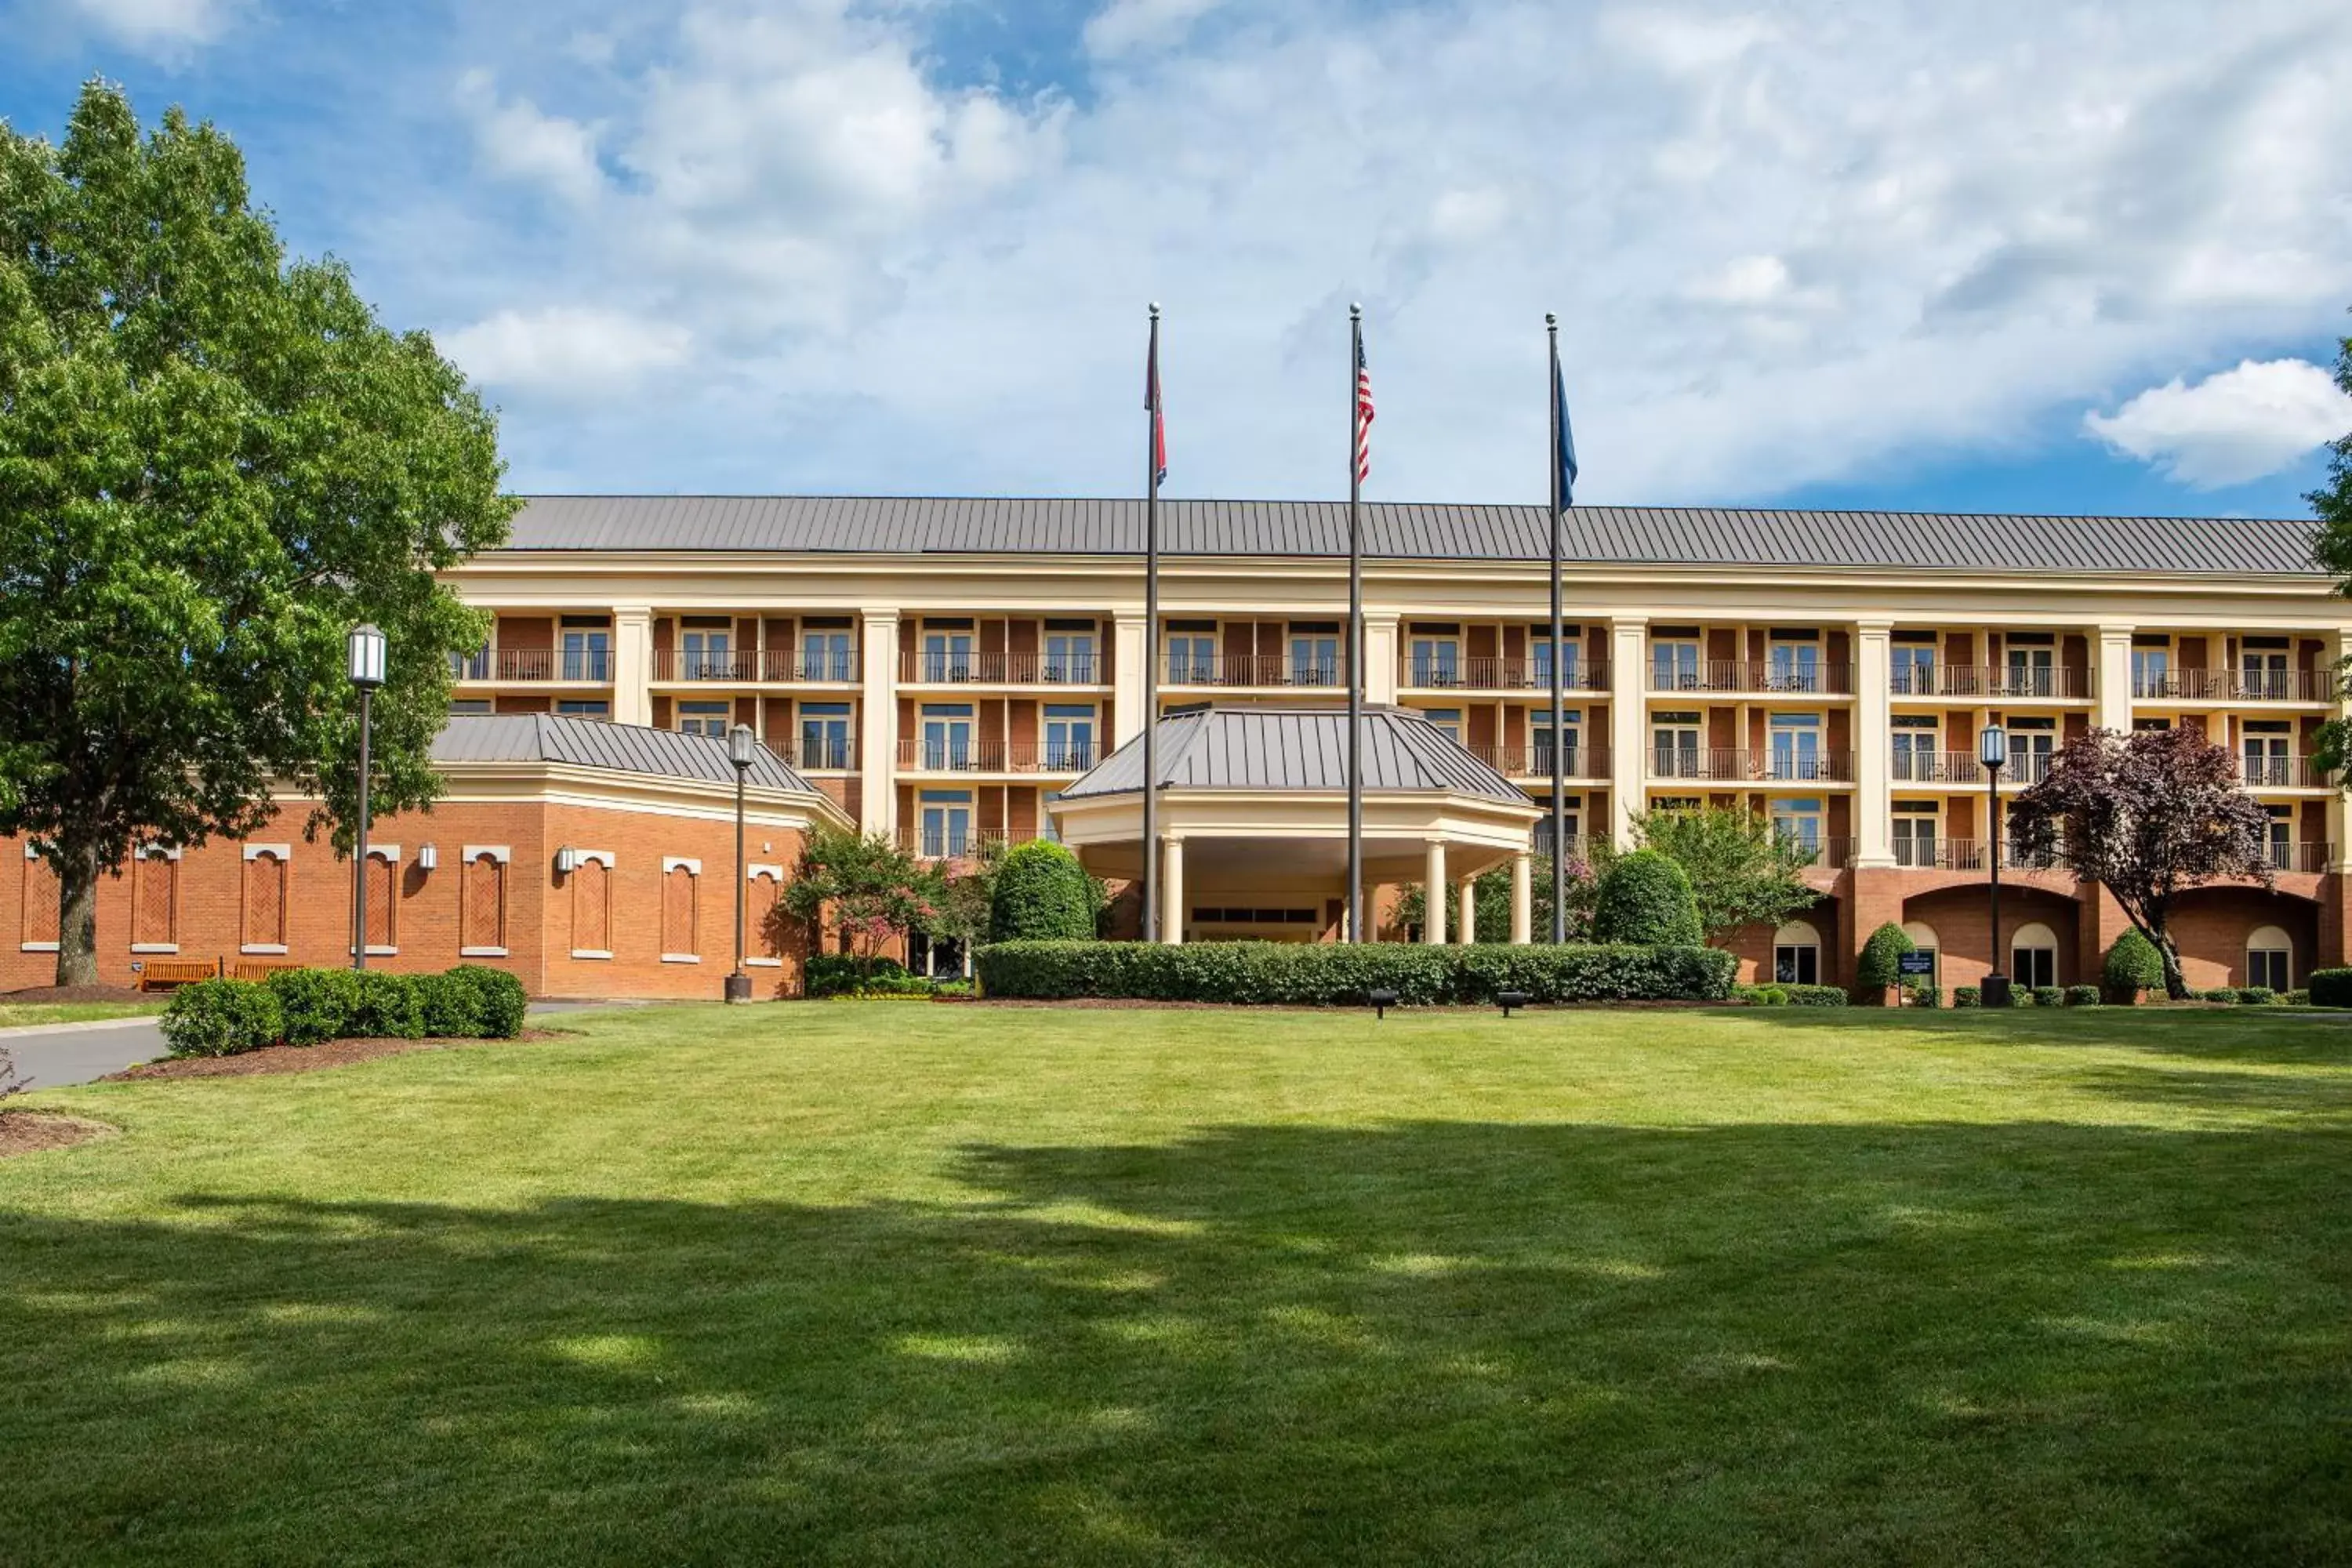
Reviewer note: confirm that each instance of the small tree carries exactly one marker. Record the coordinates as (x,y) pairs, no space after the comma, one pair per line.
(2133,966)
(1740,873)
(2332,551)
(1493,898)
(1881,965)
(864,888)
(2148,815)
(1646,898)
(1042,893)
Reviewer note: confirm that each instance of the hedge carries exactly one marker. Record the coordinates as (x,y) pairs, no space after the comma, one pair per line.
(220,1018)
(1966,996)
(1926,995)
(2133,966)
(2081,996)
(502,999)
(2256,997)
(315,1004)
(1880,964)
(1339,974)
(2047,996)
(2330,987)
(1041,893)
(450,1006)
(1645,900)
(1816,995)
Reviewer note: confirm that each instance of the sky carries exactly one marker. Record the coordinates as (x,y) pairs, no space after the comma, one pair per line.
(2046,255)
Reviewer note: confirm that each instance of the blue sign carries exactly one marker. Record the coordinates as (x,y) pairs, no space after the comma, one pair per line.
(1916,963)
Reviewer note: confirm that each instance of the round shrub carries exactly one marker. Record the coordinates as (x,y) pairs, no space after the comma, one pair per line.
(1926,995)
(2081,996)
(1966,996)
(2297,999)
(2133,966)
(451,1007)
(314,1004)
(389,1008)
(1041,893)
(2330,987)
(500,999)
(1645,899)
(2256,997)
(220,1018)
(1881,958)
(2048,996)
(2227,993)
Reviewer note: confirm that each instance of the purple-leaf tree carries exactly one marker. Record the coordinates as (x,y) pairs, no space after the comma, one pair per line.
(2149,814)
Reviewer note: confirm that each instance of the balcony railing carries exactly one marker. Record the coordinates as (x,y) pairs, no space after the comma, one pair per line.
(1729,765)
(1752,674)
(1253,669)
(1485,674)
(930,668)
(2308,855)
(1962,767)
(1535,761)
(1989,680)
(824,755)
(592,665)
(2234,685)
(988,757)
(1969,854)
(2283,772)
(1819,852)
(949,844)
(1579,847)
(834,665)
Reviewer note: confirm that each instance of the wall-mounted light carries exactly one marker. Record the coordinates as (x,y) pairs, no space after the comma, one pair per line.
(427,858)
(567,859)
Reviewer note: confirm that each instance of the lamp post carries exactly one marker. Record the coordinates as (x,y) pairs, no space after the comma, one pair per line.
(1992,751)
(364,651)
(739,744)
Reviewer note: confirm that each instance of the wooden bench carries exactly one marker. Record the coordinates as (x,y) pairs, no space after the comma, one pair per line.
(257,969)
(164,974)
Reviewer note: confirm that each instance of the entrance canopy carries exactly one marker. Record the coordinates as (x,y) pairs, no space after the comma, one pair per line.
(1253,814)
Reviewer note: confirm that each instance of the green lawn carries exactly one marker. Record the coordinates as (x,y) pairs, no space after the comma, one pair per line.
(13,1015)
(936,1285)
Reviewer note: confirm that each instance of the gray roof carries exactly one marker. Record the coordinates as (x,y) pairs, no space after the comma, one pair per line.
(598,743)
(1592,535)
(1296,749)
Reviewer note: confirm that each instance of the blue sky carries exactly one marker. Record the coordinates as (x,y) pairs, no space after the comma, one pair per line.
(2057,256)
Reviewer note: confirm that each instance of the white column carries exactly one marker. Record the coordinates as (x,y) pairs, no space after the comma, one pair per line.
(1131,652)
(1629,713)
(877,721)
(1465,924)
(633,664)
(1380,658)
(1873,744)
(1523,902)
(1172,893)
(2115,694)
(1432,887)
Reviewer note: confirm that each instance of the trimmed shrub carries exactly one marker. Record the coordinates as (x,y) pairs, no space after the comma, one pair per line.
(899,985)
(500,999)
(1339,974)
(1816,995)
(2256,997)
(2298,998)
(389,1008)
(1966,996)
(220,1018)
(1041,893)
(314,1004)
(1767,995)
(2133,966)
(2227,993)
(2081,996)
(1645,901)
(1880,957)
(843,974)
(2048,996)
(2331,987)
(1926,995)
(449,1006)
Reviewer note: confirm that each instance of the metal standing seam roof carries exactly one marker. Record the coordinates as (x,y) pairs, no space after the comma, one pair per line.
(1726,536)
(600,743)
(1296,749)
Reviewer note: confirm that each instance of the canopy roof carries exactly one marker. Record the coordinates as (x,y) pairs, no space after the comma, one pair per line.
(599,743)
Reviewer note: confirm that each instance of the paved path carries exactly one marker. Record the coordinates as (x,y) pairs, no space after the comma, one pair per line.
(79,1052)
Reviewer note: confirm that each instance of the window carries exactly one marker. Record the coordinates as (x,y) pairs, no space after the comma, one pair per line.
(704,717)
(264,918)
(1314,654)
(2033,956)
(2032,743)
(825,736)
(39,904)
(2151,668)
(592,910)
(482,907)
(1436,661)
(2270,959)
(470,705)
(584,708)
(1797,822)
(2263,670)
(946,735)
(1915,669)
(2266,747)
(946,823)
(1572,731)
(1796,746)
(764,935)
(1917,755)
(1674,746)
(1069,737)
(946,656)
(2032,670)
(1796,954)
(587,654)
(1914,833)
(154,902)
(474,666)
(1449,719)
(1539,656)
(1192,658)
(827,654)
(1674,666)
(1569,826)
(2282,838)
(1793,666)
(703,649)
(1070,656)
(681,913)
(381,885)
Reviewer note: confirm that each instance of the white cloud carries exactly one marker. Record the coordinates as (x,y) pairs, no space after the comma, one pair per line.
(1127,26)
(164,27)
(566,352)
(516,142)
(2233,426)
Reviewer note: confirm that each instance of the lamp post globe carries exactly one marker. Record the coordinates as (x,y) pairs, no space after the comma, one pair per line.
(1992,751)
(741,747)
(363,652)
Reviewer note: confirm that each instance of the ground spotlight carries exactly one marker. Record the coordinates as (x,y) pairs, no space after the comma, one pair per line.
(1379,1002)
(1510,1001)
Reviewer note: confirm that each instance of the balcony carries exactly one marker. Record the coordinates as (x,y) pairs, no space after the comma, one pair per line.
(1813,853)
(1535,761)
(1253,669)
(1579,850)
(988,757)
(2016,682)
(2234,686)
(2283,772)
(1754,675)
(1729,765)
(927,667)
(832,754)
(583,666)
(1484,674)
(2302,857)
(951,842)
(1969,854)
(1914,767)
(821,666)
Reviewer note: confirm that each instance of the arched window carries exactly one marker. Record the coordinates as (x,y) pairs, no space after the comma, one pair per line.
(591,904)
(265,897)
(681,887)
(1924,940)
(40,905)
(1796,954)
(762,943)
(2033,956)
(2270,958)
(482,902)
(155,900)
(383,900)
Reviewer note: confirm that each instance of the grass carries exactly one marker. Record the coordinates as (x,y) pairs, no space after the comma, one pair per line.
(15,1015)
(864,1284)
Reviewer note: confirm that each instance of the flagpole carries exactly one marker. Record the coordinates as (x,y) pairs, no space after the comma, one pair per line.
(1355,629)
(1558,675)
(1152,643)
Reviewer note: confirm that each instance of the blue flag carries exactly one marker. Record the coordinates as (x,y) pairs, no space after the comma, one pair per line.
(1567,454)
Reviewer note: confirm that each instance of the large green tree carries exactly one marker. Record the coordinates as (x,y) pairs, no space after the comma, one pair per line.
(2333,552)
(214,461)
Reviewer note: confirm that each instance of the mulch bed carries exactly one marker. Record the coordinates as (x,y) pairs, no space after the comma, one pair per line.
(82,993)
(27,1131)
(301,1058)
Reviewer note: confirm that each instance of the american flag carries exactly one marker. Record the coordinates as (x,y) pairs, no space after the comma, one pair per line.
(1363,414)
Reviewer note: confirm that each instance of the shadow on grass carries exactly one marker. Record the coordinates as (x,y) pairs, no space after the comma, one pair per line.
(2240,1034)
(1423,1342)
